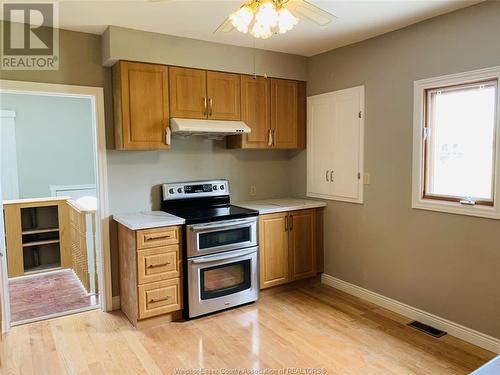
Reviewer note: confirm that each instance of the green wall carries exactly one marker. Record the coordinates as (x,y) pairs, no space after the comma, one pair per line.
(54,142)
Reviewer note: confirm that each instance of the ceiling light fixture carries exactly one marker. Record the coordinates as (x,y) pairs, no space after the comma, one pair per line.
(263,18)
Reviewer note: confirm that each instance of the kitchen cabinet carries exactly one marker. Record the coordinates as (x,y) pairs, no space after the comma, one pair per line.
(200,94)
(223,93)
(188,93)
(255,112)
(273,249)
(289,245)
(335,126)
(141,106)
(150,265)
(275,110)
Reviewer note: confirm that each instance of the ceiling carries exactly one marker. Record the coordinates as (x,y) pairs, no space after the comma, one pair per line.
(357,20)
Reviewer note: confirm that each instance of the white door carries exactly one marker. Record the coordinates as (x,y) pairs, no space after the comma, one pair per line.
(335,145)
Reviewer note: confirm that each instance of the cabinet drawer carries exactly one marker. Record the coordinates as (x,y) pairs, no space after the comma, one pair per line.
(159,298)
(157,237)
(158,264)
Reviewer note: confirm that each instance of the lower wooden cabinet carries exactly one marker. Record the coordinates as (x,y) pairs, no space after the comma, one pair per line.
(150,274)
(289,245)
(273,249)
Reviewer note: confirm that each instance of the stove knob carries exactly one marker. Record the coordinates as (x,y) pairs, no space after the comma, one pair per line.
(215,187)
(171,191)
(222,187)
(179,190)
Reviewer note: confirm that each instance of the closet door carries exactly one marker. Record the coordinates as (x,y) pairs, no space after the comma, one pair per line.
(335,145)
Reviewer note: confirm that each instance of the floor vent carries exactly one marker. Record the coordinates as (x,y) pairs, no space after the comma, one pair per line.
(434,332)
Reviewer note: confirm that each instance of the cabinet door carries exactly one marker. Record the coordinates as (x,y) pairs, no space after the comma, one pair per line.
(284,113)
(188,97)
(273,249)
(223,92)
(141,105)
(256,110)
(302,231)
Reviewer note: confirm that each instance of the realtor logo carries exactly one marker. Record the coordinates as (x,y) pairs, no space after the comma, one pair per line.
(30,36)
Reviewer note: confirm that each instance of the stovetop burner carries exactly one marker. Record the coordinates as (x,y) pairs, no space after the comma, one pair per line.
(201,201)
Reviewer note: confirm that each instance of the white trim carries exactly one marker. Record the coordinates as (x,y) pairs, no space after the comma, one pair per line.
(418,111)
(38,274)
(96,95)
(56,315)
(55,188)
(360,90)
(116,303)
(4,113)
(454,329)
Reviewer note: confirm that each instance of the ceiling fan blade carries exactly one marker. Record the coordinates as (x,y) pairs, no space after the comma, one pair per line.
(310,12)
(225,27)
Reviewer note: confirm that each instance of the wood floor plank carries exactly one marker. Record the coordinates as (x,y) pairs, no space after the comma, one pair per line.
(306,325)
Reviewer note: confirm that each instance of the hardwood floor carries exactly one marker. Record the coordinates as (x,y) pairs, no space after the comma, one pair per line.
(47,294)
(306,325)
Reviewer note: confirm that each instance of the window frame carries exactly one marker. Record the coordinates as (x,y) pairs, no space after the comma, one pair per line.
(422,199)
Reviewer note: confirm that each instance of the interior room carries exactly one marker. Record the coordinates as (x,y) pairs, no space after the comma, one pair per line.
(260,186)
(49,204)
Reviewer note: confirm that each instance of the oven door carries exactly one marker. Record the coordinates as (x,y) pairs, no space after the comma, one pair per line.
(217,282)
(209,238)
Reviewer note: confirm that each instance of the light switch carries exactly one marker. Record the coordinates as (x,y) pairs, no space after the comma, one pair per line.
(366,179)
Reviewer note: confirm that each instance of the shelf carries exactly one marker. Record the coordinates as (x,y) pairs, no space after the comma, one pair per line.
(37,231)
(39,243)
(42,268)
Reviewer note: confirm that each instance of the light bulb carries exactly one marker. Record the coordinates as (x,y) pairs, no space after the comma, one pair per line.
(286,20)
(241,18)
(260,30)
(267,15)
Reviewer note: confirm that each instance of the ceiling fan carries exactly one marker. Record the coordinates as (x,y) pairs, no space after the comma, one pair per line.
(264,18)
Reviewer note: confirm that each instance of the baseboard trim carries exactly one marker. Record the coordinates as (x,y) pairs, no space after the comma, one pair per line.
(467,334)
(116,303)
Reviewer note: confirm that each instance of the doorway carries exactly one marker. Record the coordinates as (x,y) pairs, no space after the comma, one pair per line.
(55,237)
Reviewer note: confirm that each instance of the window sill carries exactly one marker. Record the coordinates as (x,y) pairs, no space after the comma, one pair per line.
(490,212)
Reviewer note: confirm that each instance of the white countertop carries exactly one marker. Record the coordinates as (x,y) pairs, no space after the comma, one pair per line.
(149,219)
(270,206)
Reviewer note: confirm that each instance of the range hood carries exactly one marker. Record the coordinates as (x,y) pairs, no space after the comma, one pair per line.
(213,129)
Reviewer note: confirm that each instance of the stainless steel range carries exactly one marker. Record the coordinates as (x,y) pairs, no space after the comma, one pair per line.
(220,246)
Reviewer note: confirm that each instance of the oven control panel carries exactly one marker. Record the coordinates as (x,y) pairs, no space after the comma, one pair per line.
(194,189)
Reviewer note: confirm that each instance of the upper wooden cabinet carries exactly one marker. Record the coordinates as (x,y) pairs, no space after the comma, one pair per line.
(223,93)
(199,94)
(275,110)
(141,105)
(255,112)
(188,93)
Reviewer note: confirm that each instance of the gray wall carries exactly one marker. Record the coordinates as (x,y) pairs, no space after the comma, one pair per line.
(120,43)
(54,141)
(448,265)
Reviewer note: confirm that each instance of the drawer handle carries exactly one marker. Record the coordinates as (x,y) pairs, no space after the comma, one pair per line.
(150,237)
(152,300)
(158,265)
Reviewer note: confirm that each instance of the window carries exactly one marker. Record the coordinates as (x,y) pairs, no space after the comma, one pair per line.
(455,144)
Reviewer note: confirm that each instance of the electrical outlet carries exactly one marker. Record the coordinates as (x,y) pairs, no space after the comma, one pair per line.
(253,190)
(366,179)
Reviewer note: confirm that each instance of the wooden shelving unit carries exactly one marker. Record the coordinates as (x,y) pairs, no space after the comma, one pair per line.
(37,235)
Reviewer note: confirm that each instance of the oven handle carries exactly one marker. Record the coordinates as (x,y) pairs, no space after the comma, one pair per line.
(222,224)
(224,256)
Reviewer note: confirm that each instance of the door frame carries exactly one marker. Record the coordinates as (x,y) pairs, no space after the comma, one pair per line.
(96,95)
